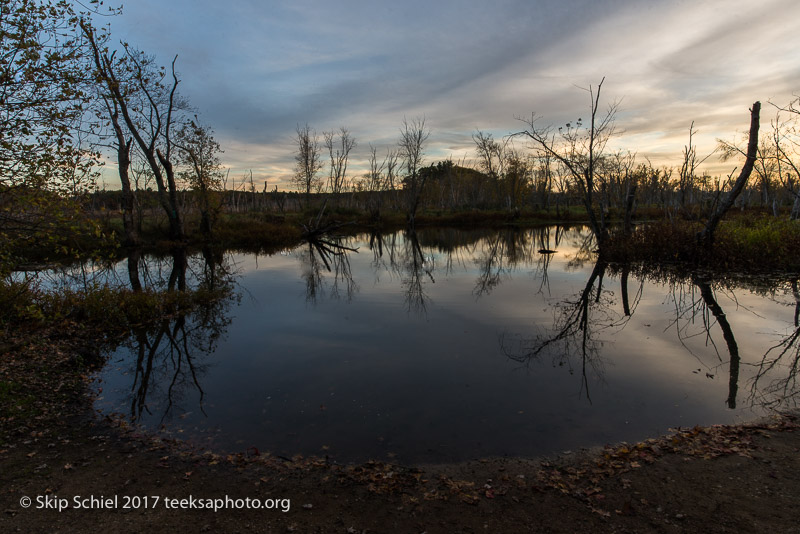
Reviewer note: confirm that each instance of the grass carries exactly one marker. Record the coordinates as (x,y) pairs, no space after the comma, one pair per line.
(749,240)
(268,230)
(109,312)
(754,243)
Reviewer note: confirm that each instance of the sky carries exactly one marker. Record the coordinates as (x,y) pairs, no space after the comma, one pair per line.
(256,69)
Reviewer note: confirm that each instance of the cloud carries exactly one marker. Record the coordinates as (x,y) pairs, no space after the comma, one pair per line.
(256,70)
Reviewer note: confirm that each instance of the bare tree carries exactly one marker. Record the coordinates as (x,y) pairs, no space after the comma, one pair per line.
(766,165)
(123,149)
(490,154)
(619,184)
(784,136)
(491,158)
(687,174)
(517,177)
(706,236)
(147,100)
(374,176)
(579,149)
(542,178)
(339,145)
(392,157)
(375,182)
(307,161)
(413,136)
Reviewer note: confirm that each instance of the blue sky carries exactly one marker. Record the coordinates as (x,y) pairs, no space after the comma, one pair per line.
(255,69)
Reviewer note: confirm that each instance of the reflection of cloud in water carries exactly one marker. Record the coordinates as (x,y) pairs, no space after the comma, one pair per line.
(437,386)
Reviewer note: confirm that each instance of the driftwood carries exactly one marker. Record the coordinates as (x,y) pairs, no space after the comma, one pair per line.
(314,233)
(315,229)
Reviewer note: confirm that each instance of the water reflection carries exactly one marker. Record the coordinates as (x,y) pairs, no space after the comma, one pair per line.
(399,353)
(783,390)
(415,269)
(501,254)
(579,324)
(170,348)
(401,256)
(698,314)
(711,305)
(327,254)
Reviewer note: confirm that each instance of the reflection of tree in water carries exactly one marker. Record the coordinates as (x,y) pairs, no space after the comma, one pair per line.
(698,313)
(414,269)
(580,321)
(321,255)
(414,258)
(500,254)
(546,250)
(782,391)
(168,348)
(578,326)
(408,262)
(710,303)
(582,241)
(696,303)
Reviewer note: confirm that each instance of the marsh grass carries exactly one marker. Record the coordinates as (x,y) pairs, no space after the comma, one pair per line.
(755,243)
(112,311)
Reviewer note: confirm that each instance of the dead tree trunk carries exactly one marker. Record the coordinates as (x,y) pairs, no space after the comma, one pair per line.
(727,333)
(630,196)
(706,236)
(626,307)
(124,163)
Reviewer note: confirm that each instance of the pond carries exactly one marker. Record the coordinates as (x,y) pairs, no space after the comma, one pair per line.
(446,345)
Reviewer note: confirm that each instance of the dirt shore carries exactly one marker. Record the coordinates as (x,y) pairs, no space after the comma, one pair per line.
(56,452)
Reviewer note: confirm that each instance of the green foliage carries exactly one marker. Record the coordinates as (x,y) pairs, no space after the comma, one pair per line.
(17,303)
(43,97)
(748,243)
(110,310)
(45,161)
(41,226)
(202,169)
(759,242)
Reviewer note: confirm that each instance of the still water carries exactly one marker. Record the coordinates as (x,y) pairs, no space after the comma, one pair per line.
(447,345)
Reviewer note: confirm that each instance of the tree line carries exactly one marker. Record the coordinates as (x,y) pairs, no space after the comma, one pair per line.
(70,95)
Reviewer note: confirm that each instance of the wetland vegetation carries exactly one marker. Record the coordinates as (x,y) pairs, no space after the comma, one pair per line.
(550,294)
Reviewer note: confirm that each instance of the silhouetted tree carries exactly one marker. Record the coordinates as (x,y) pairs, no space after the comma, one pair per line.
(148,103)
(413,136)
(579,149)
(307,161)
(706,236)
(339,145)
(199,154)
